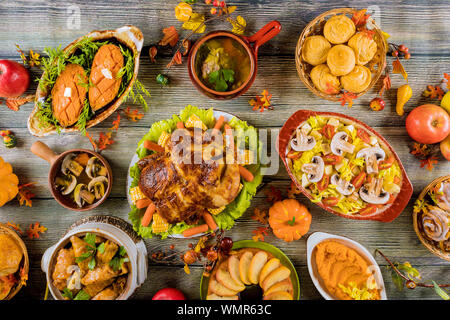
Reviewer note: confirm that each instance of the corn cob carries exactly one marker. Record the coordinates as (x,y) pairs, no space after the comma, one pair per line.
(195,122)
(159,224)
(163,139)
(136,194)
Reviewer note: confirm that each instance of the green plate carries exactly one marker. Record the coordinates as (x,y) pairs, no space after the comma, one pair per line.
(277,253)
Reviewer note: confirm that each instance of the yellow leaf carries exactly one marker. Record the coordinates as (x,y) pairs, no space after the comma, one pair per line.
(195,23)
(397,67)
(183,11)
(231,9)
(238,25)
(186,269)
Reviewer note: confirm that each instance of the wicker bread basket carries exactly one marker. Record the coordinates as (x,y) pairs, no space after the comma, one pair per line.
(315,27)
(25,263)
(431,245)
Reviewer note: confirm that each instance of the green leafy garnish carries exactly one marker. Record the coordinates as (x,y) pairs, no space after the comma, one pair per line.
(91,248)
(67,294)
(441,292)
(101,248)
(82,295)
(119,259)
(85,115)
(221,79)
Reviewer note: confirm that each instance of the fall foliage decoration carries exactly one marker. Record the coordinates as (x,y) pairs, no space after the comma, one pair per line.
(239,24)
(33,59)
(293,191)
(9,139)
(289,219)
(260,216)
(360,17)
(133,115)
(15,103)
(170,37)
(262,102)
(347,97)
(273,194)
(426,153)
(260,233)
(429,163)
(105,139)
(35,229)
(434,92)
(8,182)
(25,195)
(15,227)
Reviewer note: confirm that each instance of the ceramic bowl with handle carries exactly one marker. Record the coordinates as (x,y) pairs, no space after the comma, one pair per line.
(115,229)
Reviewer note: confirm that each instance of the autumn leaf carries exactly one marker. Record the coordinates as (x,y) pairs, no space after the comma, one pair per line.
(133,115)
(25,195)
(186,269)
(170,37)
(273,195)
(360,17)
(34,230)
(434,92)
(260,216)
(259,233)
(92,141)
(347,97)
(152,52)
(186,45)
(397,67)
(229,10)
(262,102)
(116,123)
(33,59)
(195,23)
(105,140)
(292,191)
(429,163)
(447,80)
(14,226)
(239,24)
(368,33)
(15,103)
(23,276)
(386,84)
(176,59)
(420,150)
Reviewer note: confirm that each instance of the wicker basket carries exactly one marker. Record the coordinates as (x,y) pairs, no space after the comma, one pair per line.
(429,244)
(25,263)
(315,27)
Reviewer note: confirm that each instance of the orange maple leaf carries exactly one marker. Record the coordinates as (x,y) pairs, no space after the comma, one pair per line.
(152,52)
(368,33)
(176,59)
(260,216)
(259,233)
(170,37)
(92,141)
(116,123)
(23,276)
(105,140)
(420,150)
(25,195)
(331,89)
(15,103)
(273,195)
(434,92)
(133,115)
(262,102)
(34,230)
(14,226)
(447,80)
(347,97)
(386,84)
(397,67)
(360,17)
(429,163)
(293,190)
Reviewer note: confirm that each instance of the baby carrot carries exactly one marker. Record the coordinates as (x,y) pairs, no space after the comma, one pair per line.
(153,146)
(209,220)
(247,175)
(195,230)
(180,125)
(143,203)
(148,215)
(219,123)
(229,136)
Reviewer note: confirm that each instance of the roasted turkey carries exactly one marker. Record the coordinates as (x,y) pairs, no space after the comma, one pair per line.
(182,188)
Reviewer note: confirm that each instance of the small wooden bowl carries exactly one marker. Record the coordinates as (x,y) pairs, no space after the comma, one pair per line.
(25,263)
(428,243)
(43,151)
(315,27)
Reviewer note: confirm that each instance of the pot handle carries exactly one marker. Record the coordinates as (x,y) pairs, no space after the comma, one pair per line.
(46,259)
(142,263)
(43,151)
(266,33)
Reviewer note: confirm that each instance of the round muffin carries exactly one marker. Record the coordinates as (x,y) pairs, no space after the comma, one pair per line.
(364,47)
(324,80)
(250,266)
(339,29)
(341,60)
(10,255)
(315,50)
(358,80)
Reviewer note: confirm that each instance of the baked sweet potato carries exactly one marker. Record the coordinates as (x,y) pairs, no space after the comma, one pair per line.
(105,83)
(69,94)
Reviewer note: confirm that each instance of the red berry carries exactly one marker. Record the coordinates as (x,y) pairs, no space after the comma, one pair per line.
(213,11)
(401,48)
(216,3)
(411,284)
(226,244)
(377,104)
(222,4)
(395,53)
(408,56)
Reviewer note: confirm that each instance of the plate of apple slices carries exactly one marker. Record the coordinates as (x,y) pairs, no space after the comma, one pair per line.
(252,270)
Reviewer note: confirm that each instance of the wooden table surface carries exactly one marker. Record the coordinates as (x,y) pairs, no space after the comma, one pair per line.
(421,25)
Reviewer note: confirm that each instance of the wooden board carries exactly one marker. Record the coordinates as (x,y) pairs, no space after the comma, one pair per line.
(422,26)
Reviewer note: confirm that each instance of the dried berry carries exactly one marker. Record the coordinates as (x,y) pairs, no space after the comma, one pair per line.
(226,244)
(410,284)
(190,257)
(377,104)
(211,255)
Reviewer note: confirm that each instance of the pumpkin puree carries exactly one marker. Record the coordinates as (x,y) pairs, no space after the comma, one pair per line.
(344,272)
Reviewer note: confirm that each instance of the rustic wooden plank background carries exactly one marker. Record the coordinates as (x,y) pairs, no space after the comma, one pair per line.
(421,25)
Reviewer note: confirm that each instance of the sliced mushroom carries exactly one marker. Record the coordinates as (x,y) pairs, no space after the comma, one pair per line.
(82,195)
(95,168)
(344,187)
(443,199)
(74,281)
(98,186)
(339,144)
(372,156)
(314,170)
(69,164)
(373,192)
(66,184)
(302,142)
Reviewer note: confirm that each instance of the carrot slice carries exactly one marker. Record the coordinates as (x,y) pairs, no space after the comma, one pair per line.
(180,125)
(219,123)
(153,146)
(148,215)
(209,220)
(245,174)
(195,230)
(143,203)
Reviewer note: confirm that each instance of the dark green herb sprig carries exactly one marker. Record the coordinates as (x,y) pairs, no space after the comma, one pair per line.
(221,79)
(119,259)
(91,248)
(81,295)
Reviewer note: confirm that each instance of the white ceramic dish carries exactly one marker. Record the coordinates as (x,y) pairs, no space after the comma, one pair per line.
(317,238)
(217,114)
(114,229)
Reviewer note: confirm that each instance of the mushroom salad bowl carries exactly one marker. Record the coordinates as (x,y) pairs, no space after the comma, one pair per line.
(344,166)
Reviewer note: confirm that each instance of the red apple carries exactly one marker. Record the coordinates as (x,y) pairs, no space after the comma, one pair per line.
(428,124)
(169,294)
(445,148)
(14,79)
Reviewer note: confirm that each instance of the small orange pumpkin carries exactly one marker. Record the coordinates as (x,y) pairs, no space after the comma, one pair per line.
(289,219)
(8,182)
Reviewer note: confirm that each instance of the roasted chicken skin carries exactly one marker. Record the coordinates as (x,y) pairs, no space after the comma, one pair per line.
(182,191)
(64,260)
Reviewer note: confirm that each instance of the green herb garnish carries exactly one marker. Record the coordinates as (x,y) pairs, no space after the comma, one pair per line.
(119,259)
(82,295)
(67,294)
(91,248)
(221,79)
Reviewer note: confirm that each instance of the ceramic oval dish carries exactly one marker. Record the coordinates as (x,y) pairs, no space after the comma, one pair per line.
(111,228)
(130,36)
(386,213)
(318,237)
